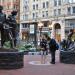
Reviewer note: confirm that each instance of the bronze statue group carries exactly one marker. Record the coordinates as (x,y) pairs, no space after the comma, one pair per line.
(8,27)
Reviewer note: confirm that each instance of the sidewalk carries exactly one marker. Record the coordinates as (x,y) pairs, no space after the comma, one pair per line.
(29,69)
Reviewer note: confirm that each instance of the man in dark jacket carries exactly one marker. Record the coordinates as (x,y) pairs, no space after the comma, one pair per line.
(2,20)
(52,48)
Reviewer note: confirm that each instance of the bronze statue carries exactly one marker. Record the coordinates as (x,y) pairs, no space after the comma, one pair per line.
(69,44)
(13,24)
(2,20)
(8,28)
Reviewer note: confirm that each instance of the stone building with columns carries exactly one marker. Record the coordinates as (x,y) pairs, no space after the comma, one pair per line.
(59,15)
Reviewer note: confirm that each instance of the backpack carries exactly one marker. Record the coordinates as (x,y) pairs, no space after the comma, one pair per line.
(53,45)
(57,46)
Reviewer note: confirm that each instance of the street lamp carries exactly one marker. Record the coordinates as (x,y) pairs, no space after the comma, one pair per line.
(40,25)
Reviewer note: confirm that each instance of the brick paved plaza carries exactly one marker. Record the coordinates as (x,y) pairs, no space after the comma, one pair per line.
(29,69)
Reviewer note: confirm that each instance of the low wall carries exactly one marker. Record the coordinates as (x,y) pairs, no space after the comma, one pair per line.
(11,59)
(67,57)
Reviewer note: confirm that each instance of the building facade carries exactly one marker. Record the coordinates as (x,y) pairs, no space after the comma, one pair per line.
(58,14)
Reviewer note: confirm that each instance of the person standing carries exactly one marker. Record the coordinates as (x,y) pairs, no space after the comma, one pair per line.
(52,48)
(43,45)
(2,20)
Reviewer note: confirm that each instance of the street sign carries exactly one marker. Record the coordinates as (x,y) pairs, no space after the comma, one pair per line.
(32,29)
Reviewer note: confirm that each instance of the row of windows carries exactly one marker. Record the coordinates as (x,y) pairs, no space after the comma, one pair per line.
(35,7)
(25,25)
(70,10)
(25,5)
(35,15)
(59,2)
(69,25)
(25,17)
(25,8)
(57,12)
(44,5)
(44,14)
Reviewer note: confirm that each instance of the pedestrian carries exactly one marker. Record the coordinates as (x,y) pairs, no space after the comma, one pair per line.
(43,45)
(52,48)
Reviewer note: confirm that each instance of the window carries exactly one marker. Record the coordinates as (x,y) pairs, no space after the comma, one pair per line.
(33,7)
(23,17)
(55,12)
(24,25)
(37,6)
(36,14)
(72,25)
(47,4)
(26,17)
(59,2)
(69,10)
(59,11)
(55,2)
(46,13)
(73,10)
(33,15)
(43,15)
(43,4)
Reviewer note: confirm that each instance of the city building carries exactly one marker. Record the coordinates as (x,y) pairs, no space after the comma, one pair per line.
(56,16)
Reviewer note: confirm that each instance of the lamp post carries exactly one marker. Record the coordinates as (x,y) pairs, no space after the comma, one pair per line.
(50,28)
(40,25)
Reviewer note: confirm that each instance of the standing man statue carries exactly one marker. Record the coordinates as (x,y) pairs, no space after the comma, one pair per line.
(2,20)
(70,34)
(13,24)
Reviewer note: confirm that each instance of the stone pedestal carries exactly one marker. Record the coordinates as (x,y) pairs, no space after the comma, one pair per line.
(67,57)
(11,59)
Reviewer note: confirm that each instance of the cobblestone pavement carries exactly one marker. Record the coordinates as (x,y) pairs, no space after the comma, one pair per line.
(56,69)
